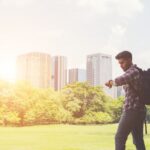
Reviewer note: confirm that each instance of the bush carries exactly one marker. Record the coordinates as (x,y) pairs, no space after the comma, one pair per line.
(10,118)
(114,109)
(95,118)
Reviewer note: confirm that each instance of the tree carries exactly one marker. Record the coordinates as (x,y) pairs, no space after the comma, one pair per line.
(114,108)
(80,97)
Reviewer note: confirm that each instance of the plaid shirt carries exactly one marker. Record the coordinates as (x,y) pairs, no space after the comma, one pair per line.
(130,82)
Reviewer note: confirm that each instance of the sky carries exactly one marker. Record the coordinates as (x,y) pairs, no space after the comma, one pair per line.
(73,28)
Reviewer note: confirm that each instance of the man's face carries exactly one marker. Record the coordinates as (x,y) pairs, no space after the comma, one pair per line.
(125,63)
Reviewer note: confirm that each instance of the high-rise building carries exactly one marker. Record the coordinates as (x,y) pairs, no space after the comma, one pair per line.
(77,75)
(99,70)
(59,72)
(35,68)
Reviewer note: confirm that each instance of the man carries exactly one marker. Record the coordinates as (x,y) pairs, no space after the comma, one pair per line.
(134,112)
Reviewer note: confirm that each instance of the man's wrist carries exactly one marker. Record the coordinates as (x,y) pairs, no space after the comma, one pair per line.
(112,83)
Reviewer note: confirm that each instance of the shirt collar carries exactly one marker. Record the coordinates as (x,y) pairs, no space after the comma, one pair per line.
(132,66)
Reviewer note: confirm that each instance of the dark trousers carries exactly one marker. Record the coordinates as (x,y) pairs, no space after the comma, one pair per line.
(131,122)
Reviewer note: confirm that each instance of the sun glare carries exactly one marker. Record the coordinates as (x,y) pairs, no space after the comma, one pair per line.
(7,68)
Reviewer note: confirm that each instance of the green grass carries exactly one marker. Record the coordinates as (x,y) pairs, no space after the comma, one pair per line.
(62,137)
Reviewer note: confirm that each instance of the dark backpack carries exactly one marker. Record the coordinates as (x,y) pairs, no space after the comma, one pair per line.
(144,92)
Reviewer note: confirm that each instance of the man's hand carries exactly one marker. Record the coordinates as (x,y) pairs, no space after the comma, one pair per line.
(109,83)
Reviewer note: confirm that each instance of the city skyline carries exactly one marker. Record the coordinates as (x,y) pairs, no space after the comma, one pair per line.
(12,74)
(8,65)
(43,71)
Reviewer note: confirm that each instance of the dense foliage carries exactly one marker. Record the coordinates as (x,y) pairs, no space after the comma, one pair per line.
(78,103)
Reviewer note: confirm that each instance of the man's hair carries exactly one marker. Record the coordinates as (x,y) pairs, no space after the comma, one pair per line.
(124,55)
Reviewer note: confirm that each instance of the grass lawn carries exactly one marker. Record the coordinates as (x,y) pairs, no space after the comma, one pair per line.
(62,137)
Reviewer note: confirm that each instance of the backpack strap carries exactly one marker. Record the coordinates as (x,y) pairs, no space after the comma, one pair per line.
(145,126)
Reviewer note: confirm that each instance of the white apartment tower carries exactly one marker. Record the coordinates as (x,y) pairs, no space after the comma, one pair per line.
(35,68)
(99,70)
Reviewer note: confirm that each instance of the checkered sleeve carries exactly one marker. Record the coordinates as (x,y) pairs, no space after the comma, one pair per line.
(127,77)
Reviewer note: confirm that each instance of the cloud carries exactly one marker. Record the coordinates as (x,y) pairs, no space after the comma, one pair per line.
(118,14)
(116,36)
(125,8)
(142,59)
(17,3)
(128,8)
(95,5)
(118,30)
